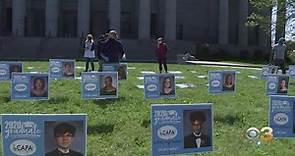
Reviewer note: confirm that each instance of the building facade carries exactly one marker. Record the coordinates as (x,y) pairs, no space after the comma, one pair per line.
(215,22)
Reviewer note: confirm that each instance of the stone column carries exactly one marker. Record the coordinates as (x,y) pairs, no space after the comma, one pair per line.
(115,15)
(170,19)
(83,17)
(223,22)
(18,17)
(51,15)
(1,16)
(144,26)
(243,30)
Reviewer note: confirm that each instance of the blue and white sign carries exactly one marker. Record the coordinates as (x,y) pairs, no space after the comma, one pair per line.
(292,71)
(268,70)
(222,81)
(28,86)
(39,135)
(61,68)
(7,68)
(281,116)
(99,85)
(159,86)
(120,68)
(277,85)
(181,128)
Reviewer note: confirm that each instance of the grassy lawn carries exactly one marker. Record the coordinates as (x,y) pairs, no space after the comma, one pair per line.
(122,126)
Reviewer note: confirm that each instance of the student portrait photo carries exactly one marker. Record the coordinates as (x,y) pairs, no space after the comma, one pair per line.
(196,132)
(68,69)
(108,85)
(64,138)
(122,72)
(228,82)
(39,86)
(283,85)
(15,68)
(167,85)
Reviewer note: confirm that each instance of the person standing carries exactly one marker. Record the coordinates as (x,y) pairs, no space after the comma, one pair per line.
(89,52)
(99,50)
(161,54)
(113,48)
(278,55)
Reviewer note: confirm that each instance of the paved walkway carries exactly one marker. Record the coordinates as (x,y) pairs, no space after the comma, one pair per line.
(224,64)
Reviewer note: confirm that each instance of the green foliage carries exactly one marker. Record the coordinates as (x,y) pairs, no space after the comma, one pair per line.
(122,126)
(261,15)
(291,52)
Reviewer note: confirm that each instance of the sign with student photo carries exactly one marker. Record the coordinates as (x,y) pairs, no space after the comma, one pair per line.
(277,85)
(281,116)
(8,67)
(44,134)
(159,86)
(29,86)
(222,81)
(61,69)
(181,128)
(120,68)
(99,85)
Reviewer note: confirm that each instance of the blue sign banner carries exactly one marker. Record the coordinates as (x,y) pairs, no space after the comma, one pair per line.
(61,69)
(159,86)
(268,70)
(99,85)
(292,71)
(39,135)
(222,81)
(29,86)
(181,128)
(277,85)
(281,116)
(120,68)
(7,68)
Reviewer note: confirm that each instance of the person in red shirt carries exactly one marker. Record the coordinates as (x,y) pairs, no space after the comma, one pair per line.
(161,54)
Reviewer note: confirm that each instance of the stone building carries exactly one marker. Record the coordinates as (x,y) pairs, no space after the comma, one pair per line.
(54,28)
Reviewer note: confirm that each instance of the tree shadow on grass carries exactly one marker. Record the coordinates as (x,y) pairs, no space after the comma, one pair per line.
(4,99)
(103,103)
(100,129)
(146,123)
(229,119)
(57,100)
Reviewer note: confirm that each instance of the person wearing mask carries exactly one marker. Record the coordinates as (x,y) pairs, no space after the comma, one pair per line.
(89,53)
(112,49)
(161,54)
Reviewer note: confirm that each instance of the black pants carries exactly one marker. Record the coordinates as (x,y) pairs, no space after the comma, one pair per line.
(281,64)
(162,62)
(87,64)
(100,63)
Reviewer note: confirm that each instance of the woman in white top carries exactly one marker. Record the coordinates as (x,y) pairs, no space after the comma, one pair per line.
(89,52)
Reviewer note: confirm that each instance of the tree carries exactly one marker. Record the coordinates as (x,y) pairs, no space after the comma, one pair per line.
(261,15)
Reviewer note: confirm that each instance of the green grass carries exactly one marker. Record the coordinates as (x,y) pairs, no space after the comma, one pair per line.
(122,126)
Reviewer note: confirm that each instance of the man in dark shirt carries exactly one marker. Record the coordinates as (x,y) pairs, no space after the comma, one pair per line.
(99,50)
(279,55)
(64,134)
(197,139)
(112,49)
